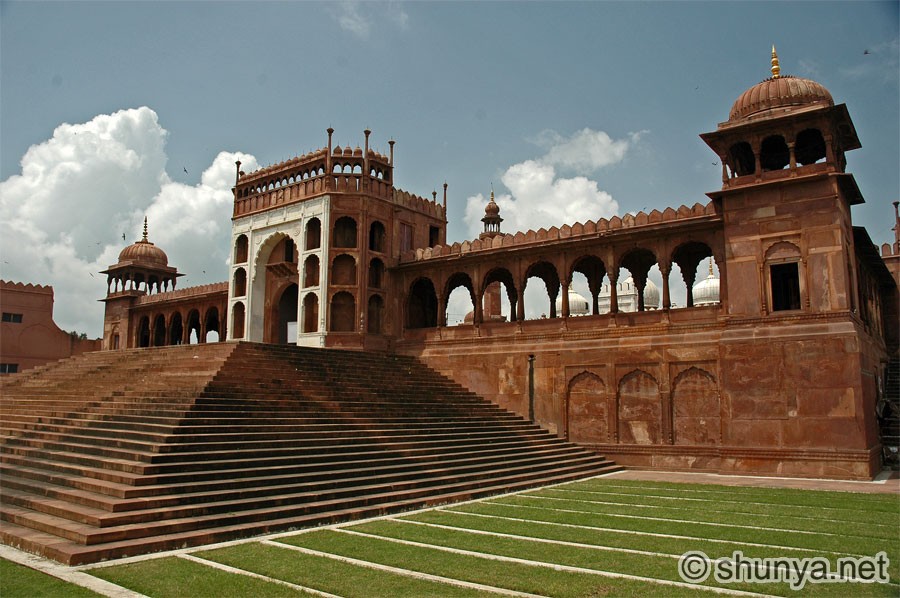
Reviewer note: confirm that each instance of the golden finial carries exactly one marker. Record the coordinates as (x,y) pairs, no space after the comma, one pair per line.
(776,69)
(145,230)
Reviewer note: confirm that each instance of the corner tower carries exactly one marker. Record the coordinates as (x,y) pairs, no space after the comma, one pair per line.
(786,198)
(804,341)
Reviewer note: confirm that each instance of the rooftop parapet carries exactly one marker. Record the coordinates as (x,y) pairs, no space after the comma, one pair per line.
(8,285)
(327,170)
(589,228)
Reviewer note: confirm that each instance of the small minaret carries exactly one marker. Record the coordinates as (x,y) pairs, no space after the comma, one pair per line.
(491,219)
(491,303)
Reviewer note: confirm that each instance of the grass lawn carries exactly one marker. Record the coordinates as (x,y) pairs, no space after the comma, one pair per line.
(599,537)
(18,581)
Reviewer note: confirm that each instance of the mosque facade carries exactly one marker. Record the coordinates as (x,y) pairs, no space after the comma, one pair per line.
(772,367)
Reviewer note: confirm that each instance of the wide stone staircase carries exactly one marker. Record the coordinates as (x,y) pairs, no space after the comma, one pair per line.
(119,453)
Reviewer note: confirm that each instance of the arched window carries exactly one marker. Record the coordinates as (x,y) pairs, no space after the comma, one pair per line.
(176,329)
(742,159)
(311,313)
(774,153)
(240,282)
(376,273)
(311,272)
(491,296)
(212,322)
(193,326)
(592,269)
(345,232)
(343,310)
(240,249)
(159,331)
(343,270)
(143,339)
(238,315)
(373,314)
(460,304)
(422,304)
(638,262)
(810,147)
(313,234)
(687,257)
(546,273)
(376,237)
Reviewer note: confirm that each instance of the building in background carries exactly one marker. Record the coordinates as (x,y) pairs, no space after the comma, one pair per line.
(28,335)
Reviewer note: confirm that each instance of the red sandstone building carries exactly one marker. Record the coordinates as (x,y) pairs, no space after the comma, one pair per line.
(28,335)
(777,372)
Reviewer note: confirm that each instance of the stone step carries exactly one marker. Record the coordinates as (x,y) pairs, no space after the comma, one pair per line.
(82,507)
(103,494)
(299,505)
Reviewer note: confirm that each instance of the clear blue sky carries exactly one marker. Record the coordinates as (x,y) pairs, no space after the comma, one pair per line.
(473,93)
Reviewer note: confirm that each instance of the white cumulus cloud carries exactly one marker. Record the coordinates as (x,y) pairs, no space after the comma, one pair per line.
(62,219)
(540,197)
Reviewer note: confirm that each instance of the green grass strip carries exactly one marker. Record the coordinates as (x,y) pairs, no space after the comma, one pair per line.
(19,581)
(703,513)
(850,516)
(550,531)
(877,502)
(328,575)
(513,576)
(172,577)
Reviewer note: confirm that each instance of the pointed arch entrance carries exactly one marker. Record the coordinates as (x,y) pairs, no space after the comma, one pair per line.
(273,291)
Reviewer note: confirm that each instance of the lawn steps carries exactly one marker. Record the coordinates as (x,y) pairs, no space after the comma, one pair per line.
(119,453)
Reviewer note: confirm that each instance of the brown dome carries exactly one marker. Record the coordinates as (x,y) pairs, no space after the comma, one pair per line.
(492,209)
(779,92)
(144,252)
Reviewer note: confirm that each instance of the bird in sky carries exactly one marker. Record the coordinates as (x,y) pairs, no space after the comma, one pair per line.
(123,236)
(184,169)
(866,52)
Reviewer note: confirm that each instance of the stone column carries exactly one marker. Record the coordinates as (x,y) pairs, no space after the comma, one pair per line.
(613,291)
(665,269)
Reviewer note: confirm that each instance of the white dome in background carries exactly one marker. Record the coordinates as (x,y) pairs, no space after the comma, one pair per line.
(706,292)
(578,305)
(651,295)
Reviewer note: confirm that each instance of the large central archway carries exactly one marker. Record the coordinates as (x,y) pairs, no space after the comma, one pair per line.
(273,290)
